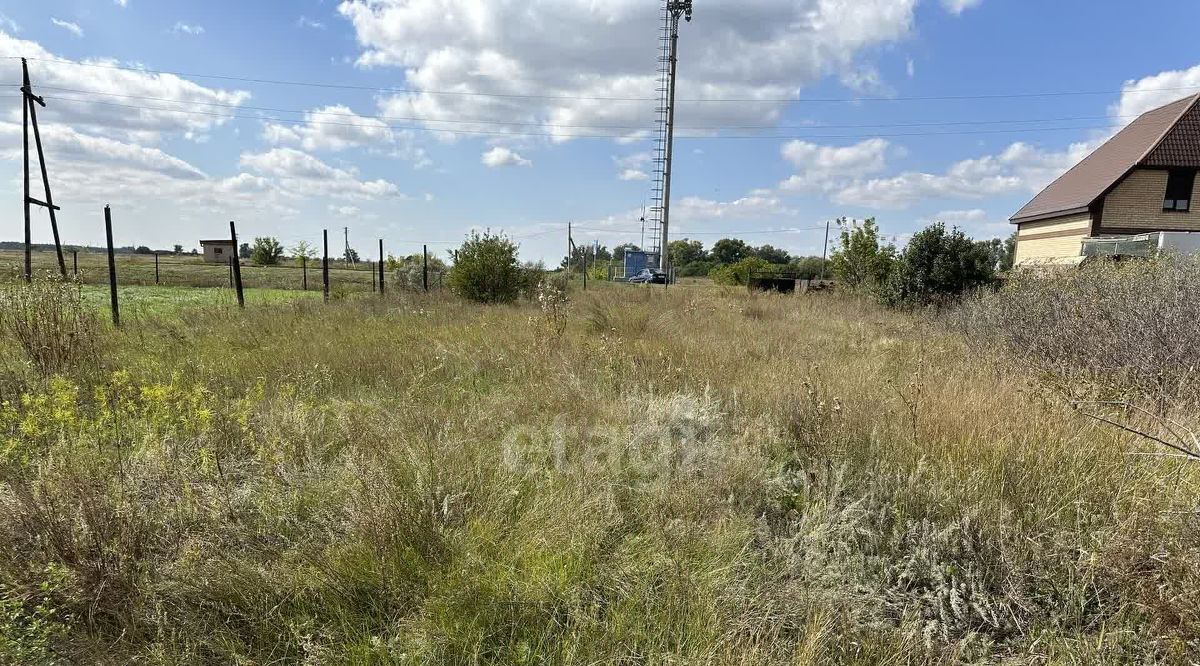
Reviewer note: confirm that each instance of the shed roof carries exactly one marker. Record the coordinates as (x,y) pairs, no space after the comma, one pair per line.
(219,241)
(1164,137)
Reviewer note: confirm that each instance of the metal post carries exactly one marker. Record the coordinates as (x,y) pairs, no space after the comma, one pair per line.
(570,244)
(425,267)
(374,274)
(155,268)
(112,268)
(382,273)
(304,271)
(237,266)
(325,265)
(75,262)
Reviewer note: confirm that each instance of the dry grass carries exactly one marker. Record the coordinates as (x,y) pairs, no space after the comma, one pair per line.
(681,476)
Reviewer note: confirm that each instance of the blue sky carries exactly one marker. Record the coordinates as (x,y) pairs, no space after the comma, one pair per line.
(178,156)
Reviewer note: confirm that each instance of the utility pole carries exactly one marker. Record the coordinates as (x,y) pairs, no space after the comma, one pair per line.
(29,117)
(677,9)
(824,249)
(570,243)
(346,231)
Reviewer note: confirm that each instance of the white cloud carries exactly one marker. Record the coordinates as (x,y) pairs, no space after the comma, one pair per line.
(634,166)
(93,111)
(826,167)
(187,29)
(910,68)
(70,27)
(8,24)
(1142,95)
(303,175)
(121,3)
(957,7)
(753,205)
(1019,168)
(500,156)
(334,127)
(961,216)
(305,22)
(756,49)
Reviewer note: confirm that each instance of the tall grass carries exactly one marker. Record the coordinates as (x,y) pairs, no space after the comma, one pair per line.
(47,319)
(675,477)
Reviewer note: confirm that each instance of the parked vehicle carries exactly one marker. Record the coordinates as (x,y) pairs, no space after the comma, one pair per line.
(648,276)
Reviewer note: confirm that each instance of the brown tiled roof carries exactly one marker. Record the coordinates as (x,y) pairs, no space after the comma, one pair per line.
(1166,136)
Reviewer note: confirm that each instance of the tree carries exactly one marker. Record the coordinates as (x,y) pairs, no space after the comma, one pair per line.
(142,249)
(303,251)
(584,255)
(351,255)
(486,269)
(860,261)
(618,252)
(244,250)
(178,249)
(938,265)
(730,250)
(807,268)
(266,251)
(683,252)
(409,272)
(772,254)
(1001,253)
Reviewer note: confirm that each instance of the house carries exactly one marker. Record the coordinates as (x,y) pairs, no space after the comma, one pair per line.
(217,251)
(1141,181)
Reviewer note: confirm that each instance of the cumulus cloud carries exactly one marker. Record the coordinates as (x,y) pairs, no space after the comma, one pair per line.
(1020,167)
(826,167)
(305,22)
(957,7)
(634,166)
(302,174)
(69,26)
(1141,95)
(500,156)
(335,127)
(752,49)
(92,109)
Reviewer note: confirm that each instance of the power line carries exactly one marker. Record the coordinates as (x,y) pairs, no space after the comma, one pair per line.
(483,121)
(771,100)
(300,121)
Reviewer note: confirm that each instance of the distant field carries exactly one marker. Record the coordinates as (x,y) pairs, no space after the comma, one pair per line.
(192,271)
(144,301)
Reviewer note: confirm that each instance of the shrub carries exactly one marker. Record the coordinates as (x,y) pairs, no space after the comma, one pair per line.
(738,273)
(937,265)
(486,269)
(696,269)
(1129,326)
(48,320)
(409,272)
(266,251)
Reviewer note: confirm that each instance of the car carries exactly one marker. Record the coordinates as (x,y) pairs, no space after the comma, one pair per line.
(648,276)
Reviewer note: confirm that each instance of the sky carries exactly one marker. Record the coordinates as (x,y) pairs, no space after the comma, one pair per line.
(417,121)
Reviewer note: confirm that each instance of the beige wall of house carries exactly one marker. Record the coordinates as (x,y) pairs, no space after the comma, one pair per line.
(1058,240)
(218,253)
(1136,203)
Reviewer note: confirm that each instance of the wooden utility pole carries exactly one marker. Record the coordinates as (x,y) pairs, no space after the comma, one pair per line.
(29,117)
(237,266)
(112,268)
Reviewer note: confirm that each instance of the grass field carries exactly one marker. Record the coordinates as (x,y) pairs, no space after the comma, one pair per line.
(679,476)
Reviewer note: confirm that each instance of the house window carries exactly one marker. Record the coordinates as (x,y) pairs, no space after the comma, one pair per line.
(1179,190)
(216,250)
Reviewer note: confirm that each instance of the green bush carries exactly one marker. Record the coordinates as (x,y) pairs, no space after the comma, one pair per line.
(486,269)
(738,273)
(937,265)
(696,269)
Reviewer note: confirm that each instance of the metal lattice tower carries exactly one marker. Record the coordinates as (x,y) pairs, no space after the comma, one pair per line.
(660,192)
